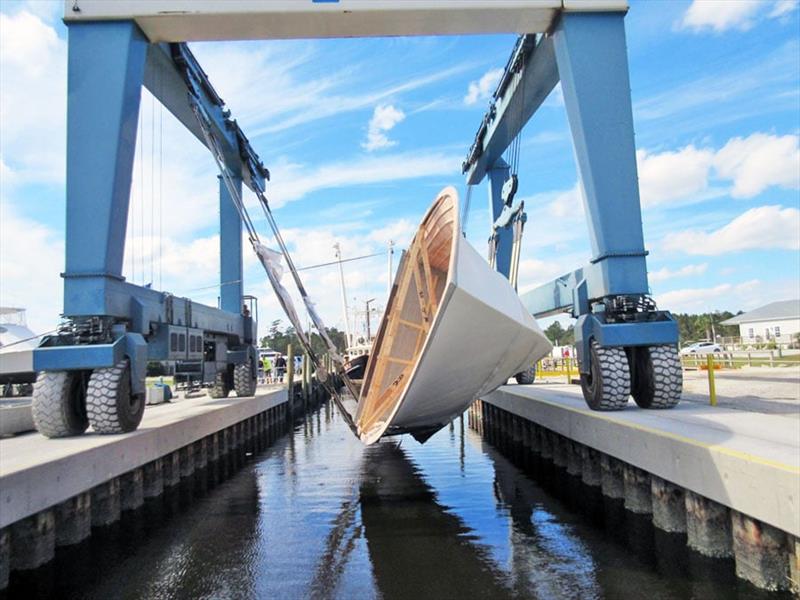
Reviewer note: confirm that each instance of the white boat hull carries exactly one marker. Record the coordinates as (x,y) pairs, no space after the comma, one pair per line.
(480,336)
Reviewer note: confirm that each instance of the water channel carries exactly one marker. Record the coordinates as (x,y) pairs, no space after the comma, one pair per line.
(317,515)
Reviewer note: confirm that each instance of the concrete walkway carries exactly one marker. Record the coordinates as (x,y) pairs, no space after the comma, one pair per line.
(747,461)
(37,473)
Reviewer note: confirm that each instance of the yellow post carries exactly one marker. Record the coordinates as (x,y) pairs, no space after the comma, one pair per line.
(712,389)
(290,369)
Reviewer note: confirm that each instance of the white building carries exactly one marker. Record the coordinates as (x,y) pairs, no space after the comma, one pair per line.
(778,321)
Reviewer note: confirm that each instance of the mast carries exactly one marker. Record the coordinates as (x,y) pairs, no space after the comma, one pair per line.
(348,335)
(389,277)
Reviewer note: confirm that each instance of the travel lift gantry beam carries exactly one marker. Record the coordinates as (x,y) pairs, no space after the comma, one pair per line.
(94,370)
(625,346)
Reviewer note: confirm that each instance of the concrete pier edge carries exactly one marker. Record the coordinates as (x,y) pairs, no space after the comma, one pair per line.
(29,542)
(766,556)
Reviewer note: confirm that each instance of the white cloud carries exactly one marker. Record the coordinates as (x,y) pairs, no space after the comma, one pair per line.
(753,164)
(31,258)
(686,271)
(722,15)
(293,181)
(668,176)
(765,227)
(33,61)
(724,296)
(383,120)
(758,162)
(482,88)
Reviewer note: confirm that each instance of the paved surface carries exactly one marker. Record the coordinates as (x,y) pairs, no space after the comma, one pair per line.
(747,461)
(771,390)
(37,472)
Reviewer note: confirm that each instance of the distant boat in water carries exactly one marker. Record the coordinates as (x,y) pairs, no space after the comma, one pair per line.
(453,330)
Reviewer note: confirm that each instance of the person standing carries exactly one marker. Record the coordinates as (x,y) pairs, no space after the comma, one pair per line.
(267,369)
(280,368)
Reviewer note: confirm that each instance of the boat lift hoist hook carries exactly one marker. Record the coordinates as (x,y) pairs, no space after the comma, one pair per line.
(270,260)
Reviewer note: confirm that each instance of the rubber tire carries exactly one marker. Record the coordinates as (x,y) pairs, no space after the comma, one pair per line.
(220,387)
(526,377)
(243,381)
(109,403)
(608,386)
(59,404)
(658,377)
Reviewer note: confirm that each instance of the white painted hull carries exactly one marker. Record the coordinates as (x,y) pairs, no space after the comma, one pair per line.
(480,336)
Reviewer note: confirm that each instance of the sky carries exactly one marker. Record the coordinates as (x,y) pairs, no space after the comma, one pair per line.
(360,135)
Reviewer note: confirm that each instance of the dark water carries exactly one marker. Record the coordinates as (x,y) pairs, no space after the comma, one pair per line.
(317,515)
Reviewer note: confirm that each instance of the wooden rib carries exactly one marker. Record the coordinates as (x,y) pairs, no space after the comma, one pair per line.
(410,324)
(401,361)
(426,265)
(423,302)
(381,402)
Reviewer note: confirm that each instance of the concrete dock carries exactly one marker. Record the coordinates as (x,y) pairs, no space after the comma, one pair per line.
(727,479)
(54,491)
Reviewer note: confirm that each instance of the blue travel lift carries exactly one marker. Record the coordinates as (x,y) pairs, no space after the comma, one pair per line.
(93,370)
(625,345)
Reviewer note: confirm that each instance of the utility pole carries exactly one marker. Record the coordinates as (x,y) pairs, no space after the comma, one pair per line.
(348,335)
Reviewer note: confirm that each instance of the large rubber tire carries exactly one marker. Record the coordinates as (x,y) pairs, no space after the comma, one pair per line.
(220,387)
(526,377)
(608,386)
(243,381)
(657,376)
(109,403)
(59,403)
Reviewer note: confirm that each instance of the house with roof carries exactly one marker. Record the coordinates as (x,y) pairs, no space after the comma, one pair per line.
(778,321)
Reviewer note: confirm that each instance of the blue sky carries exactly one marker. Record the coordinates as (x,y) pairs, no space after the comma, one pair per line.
(360,135)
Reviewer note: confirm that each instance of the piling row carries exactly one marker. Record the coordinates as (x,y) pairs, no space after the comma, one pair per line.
(764,555)
(32,542)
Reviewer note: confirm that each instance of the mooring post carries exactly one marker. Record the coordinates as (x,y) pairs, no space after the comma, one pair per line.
(306,378)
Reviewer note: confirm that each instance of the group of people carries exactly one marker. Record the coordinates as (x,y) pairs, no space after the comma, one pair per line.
(273,373)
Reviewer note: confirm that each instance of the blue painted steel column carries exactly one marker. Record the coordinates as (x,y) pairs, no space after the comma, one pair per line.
(105,70)
(230,250)
(593,67)
(498,175)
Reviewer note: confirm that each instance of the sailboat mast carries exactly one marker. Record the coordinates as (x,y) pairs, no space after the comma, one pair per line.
(344,296)
(389,273)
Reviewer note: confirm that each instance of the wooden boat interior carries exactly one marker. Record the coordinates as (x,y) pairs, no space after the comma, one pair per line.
(413,304)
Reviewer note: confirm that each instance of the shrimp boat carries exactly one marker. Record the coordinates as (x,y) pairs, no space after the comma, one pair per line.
(454,329)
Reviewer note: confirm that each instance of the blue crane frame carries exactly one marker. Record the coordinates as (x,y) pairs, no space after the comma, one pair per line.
(587,53)
(108,64)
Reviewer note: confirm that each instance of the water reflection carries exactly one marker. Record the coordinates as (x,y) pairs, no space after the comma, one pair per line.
(317,515)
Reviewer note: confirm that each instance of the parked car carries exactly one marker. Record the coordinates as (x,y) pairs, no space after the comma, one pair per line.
(701,348)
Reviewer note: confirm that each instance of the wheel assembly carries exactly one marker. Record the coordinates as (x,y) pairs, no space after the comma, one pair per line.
(59,403)
(244,382)
(110,405)
(220,388)
(657,378)
(527,376)
(608,384)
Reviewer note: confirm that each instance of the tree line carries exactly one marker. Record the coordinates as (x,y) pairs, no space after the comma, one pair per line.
(279,339)
(692,328)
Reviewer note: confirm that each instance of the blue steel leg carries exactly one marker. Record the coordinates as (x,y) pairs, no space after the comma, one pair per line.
(230,250)
(504,241)
(593,66)
(105,70)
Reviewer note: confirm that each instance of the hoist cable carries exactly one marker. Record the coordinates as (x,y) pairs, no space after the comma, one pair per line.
(152,185)
(465,210)
(280,291)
